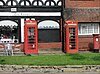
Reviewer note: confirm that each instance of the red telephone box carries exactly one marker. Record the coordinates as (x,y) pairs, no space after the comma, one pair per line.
(96,42)
(71,37)
(31,37)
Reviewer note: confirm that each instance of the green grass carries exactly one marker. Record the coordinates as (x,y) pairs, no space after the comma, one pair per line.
(51,60)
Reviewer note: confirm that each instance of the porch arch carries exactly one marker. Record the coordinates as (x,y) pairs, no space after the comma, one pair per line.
(49,24)
(49,31)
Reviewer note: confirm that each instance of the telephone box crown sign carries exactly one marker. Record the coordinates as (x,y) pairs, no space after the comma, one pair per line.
(33,22)
(71,23)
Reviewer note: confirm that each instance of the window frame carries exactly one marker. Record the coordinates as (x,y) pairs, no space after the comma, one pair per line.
(87,28)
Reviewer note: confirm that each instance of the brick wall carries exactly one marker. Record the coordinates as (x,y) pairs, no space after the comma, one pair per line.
(85,43)
(81,10)
(50,45)
(82,3)
(82,14)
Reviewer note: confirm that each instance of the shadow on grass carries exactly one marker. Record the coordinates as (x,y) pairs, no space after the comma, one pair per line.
(2,61)
(96,58)
(76,56)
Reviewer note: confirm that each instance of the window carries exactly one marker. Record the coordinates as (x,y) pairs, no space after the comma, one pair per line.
(88,28)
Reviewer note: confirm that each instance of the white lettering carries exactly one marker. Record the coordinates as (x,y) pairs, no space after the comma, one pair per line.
(30,13)
(72,24)
(30,23)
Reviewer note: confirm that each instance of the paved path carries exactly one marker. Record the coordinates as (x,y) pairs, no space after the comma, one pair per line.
(57,73)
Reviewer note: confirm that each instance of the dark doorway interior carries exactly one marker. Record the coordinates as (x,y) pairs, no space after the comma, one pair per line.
(49,35)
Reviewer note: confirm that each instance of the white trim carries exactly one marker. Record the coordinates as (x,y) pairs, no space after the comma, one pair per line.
(30,13)
(72,24)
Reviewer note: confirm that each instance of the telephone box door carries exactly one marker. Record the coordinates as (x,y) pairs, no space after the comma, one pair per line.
(71,37)
(31,37)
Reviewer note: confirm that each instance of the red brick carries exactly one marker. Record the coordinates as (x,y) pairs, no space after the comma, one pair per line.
(50,45)
(84,3)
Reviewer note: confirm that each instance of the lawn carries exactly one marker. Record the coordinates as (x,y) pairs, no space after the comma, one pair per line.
(53,60)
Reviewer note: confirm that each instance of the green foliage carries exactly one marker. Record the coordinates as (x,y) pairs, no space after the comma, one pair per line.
(51,60)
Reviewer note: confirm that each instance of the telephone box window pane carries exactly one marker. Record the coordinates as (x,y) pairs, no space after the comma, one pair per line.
(31,31)
(72,38)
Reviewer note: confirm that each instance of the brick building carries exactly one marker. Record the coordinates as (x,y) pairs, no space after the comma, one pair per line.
(50,15)
(87,13)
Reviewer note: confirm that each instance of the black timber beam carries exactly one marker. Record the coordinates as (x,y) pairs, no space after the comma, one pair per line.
(32,9)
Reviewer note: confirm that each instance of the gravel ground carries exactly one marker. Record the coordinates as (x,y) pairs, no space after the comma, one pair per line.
(57,73)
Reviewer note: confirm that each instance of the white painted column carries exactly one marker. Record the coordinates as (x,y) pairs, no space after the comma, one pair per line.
(22,29)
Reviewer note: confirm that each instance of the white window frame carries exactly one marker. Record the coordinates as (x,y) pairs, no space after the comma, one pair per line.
(87,28)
